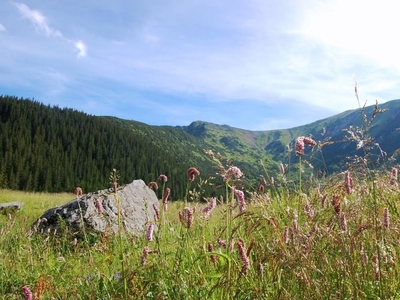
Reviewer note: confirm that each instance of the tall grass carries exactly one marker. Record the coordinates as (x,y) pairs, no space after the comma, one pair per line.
(337,239)
(341,244)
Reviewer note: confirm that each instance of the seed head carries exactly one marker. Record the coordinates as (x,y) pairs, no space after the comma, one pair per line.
(153,185)
(163,178)
(192,173)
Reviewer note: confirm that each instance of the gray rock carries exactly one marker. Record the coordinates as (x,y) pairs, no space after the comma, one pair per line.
(10,207)
(136,205)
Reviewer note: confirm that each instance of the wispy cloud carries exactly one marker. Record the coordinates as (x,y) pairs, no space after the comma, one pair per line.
(2,28)
(82,49)
(38,20)
(254,64)
(41,25)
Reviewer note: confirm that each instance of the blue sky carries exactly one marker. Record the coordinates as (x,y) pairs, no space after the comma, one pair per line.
(251,64)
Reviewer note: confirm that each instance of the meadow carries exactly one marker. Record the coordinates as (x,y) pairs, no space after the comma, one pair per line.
(336,239)
(333,237)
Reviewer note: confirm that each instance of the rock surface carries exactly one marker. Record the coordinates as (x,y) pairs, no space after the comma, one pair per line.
(10,207)
(136,205)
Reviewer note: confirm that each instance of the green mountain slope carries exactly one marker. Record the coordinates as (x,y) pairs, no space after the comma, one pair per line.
(44,148)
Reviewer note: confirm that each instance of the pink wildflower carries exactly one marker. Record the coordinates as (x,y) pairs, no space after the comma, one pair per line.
(233,171)
(149,234)
(221,242)
(393,179)
(244,258)
(241,202)
(78,191)
(157,212)
(211,249)
(285,236)
(27,293)
(115,186)
(301,141)
(163,178)
(295,226)
(145,252)
(192,173)
(386,218)
(336,203)
(153,185)
(99,206)
(165,198)
(207,210)
(186,217)
(348,182)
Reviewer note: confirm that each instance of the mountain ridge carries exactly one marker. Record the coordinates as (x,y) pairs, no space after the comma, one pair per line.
(171,149)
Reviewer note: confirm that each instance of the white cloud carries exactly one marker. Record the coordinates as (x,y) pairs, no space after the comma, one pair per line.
(82,49)
(2,28)
(38,20)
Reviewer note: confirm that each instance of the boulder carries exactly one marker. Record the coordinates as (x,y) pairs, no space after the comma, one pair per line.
(136,200)
(10,207)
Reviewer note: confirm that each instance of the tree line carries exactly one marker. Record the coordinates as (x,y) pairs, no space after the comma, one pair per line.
(51,149)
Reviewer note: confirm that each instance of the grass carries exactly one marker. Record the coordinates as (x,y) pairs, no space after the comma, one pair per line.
(336,238)
(285,245)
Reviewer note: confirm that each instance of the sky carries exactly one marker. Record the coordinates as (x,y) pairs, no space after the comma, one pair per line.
(250,64)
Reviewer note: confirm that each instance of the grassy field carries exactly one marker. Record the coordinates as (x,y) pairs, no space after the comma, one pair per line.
(332,240)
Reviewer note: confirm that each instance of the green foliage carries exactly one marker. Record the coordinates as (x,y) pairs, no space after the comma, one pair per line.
(295,246)
(45,148)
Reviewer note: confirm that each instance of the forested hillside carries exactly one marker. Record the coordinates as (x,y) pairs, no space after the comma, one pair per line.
(44,148)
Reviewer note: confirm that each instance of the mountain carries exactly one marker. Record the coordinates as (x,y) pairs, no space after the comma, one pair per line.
(46,148)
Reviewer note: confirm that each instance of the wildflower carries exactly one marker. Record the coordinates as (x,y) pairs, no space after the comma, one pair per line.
(364,256)
(233,171)
(27,293)
(192,173)
(145,252)
(165,198)
(343,222)
(300,146)
(153,185)
(386,219)
(207,210)
(243,257)
(115,186)
(375,262)
(309,141)
(241,202)
(163,178)
(309,210)
(301,141)
(78,191)
(285,236)
(149,234)
(393,178)
(295,226)
(186,217)
(157,212)
(348,182)
(99,206)
(75,242)
(220,242)
(336,203)
(210,248)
